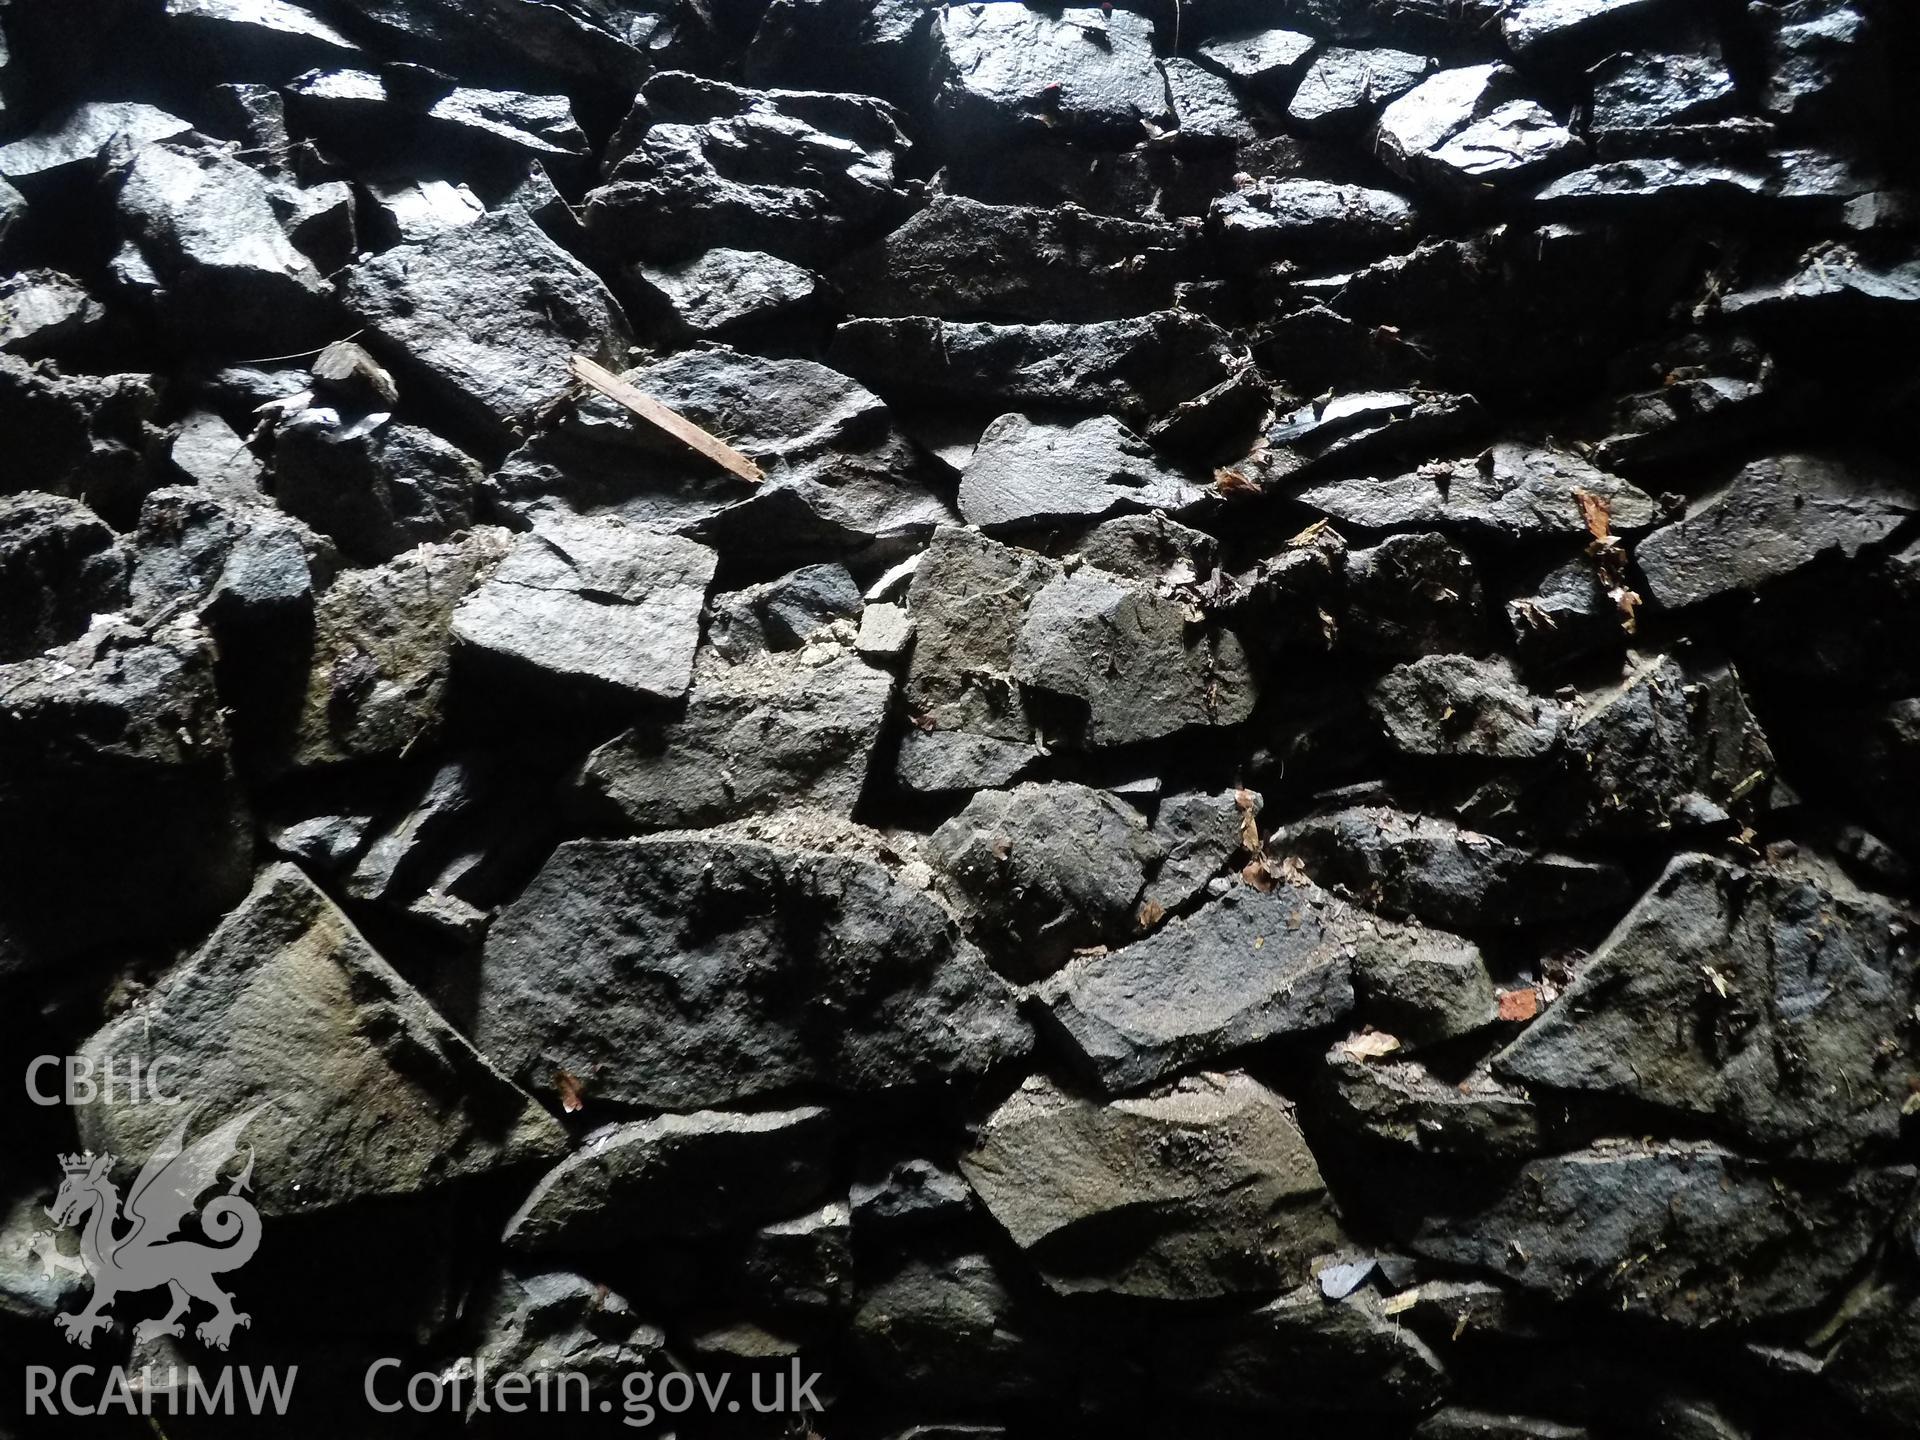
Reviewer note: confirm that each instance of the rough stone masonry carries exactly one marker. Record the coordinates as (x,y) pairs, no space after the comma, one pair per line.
(1291,809)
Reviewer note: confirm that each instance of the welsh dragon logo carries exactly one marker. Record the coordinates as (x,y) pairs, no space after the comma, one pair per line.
(147,1256)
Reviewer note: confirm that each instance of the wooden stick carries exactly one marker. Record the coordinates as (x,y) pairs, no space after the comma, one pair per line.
(661,418)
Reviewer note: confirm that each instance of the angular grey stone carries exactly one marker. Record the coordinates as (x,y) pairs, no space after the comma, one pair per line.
(678,1175)
(1207,115)
(592,45)
(1457,705)
(1513,492)
(43,312)
(1137,368)
(1412,595)
(1833,280)
(595,601)
(364,1090)
(783,614)
(1776,516)
(1668,742)
(487,316)
(1467,129)
(552,1323)
(1417,865)
(1149,548)
(211,454)
(375,488)
(239,564)
(41,1272)
(1761,1001)
(1027,473)
(886,632)
(1650,90)
(1200,1190)
(343,103)
(959,257)
(1344,89)
(1678,1231)
(773,732)
(1003,69)
(77,138)
(1265,63)
(382,643)
(1246,968)
(414,211)
(1559,31)
(1405,1104)
(946,1327)
(720,289)
(1348,429)
(1299,218)
(907,1193)
(1132,659)
(205,223)
(1199,834)
(1818,58)
(1300,1354)
(1567,613)
(259,39)
(116,784)
(1041,870)
(768,969)
(60,565)
(793,173)
(1457,1422)
(1421,985)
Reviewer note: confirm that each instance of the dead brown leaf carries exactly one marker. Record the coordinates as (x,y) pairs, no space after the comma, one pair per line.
(1152,912)
(1596,512)
(1369,1045)
(1522,1004)
(573,1097)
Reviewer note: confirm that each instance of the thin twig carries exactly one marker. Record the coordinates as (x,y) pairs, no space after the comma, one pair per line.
(660,417)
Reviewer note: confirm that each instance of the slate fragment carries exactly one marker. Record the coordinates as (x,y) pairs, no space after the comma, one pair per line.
(1027,473)
(595,601)
(365,1090)
(374,487)
(679,1175)
(1243,969)
(406,110)
(723,289)
(1401,1102)
(1465,129)
(1200,834)
(1136,368)
(486,317)
(1761,1001)
(959,257)
(248,570)
(771,732)
(1041,870)
(1412,595)
(552,1323)
(1454,705)
(1297,218)
(73,142)
(1203,1189)
(1265,63)
(801,968)
(44,313)
(60,565)
(1002,70)
(1344,89)
(270,40)
(700,164)
(1776,516)
(1208,117)
(1679,1231)
(1419,865)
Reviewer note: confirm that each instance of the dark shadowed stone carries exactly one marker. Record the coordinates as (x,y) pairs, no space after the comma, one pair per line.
(115,784)
(1200,1190)
(1466,129)
(1567,613)
(205,224)
(1137,368)
(1344,89)
(679,1175)
(687,972)
(1298,218)
(356,105)
(1042,870)
(1246,968)
(946,1327)
(593,600)
(376,488)
(382,642)
(959,257)
(60,565)
(1821,59)
(1265,63)
(1567,31)
(774,731)
(364,1089)
(1131,659)
(1356,427)
(1775,517)
(258,39)
(720,289)
(239,564)
(1673,1230)
(1460,1423)
(211,454)
(548,1324)
(1417,865)
(43,312)
(1301,1353)
(793,173)
(486,316)
(1403,1103)
(1003,69)
(1457,705)
(1513,492)
(1643,90)
(1029,473)
(1412,595)
(1763,1001)
(1207,115)
(1200,833)
(76,139)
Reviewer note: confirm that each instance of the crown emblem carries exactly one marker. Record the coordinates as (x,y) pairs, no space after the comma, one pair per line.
(77,1164)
